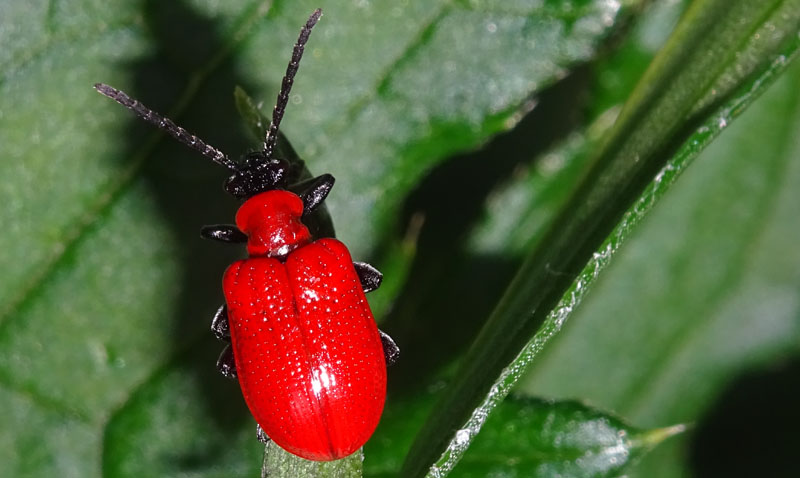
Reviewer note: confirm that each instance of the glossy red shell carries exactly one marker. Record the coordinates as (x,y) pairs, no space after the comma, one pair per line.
(308,354)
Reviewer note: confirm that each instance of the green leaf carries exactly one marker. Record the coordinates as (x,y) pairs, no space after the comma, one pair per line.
(280,463)
(703,296)
(375,115)
(530,437)
(691,82)
(107,291)
(166,409)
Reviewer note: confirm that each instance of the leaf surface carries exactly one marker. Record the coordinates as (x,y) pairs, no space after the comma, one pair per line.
(107,291)
(530,437)
(680,92)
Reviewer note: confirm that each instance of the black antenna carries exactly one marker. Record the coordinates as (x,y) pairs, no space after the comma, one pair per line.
(167,125)
(286,85)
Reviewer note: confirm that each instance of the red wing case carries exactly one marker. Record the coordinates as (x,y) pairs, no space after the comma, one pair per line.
(308,354)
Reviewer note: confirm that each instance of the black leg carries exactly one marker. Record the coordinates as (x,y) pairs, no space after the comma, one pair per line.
(219,324)
(390,349)
(262,437)
(369,276)
(223,232)
(226,364)
(314,191)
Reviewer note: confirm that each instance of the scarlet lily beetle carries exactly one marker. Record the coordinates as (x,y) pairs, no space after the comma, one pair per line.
(303,343)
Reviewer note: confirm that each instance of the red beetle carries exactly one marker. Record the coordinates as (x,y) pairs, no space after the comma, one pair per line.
(303,343)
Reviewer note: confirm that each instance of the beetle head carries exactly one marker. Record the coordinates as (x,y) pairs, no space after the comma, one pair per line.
(256,175)
(261,171)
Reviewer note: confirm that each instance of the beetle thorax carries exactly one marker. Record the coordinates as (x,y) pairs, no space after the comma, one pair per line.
(272,223)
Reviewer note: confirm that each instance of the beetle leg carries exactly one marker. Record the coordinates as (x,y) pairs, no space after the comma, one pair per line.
(390,349)
(219,324)
(261,435)
(224,233)
(225,363)
(369,276)
(315,191)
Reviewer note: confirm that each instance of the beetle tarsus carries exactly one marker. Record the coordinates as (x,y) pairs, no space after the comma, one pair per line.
(315,191)
(219,324)
(261,435)
(223,233)
(390,349)
(369,276)
(226,364)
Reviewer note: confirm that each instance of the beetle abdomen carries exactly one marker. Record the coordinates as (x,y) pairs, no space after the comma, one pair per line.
(308,354)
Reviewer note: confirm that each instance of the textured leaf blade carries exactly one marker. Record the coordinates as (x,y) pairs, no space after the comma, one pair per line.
(379,119)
